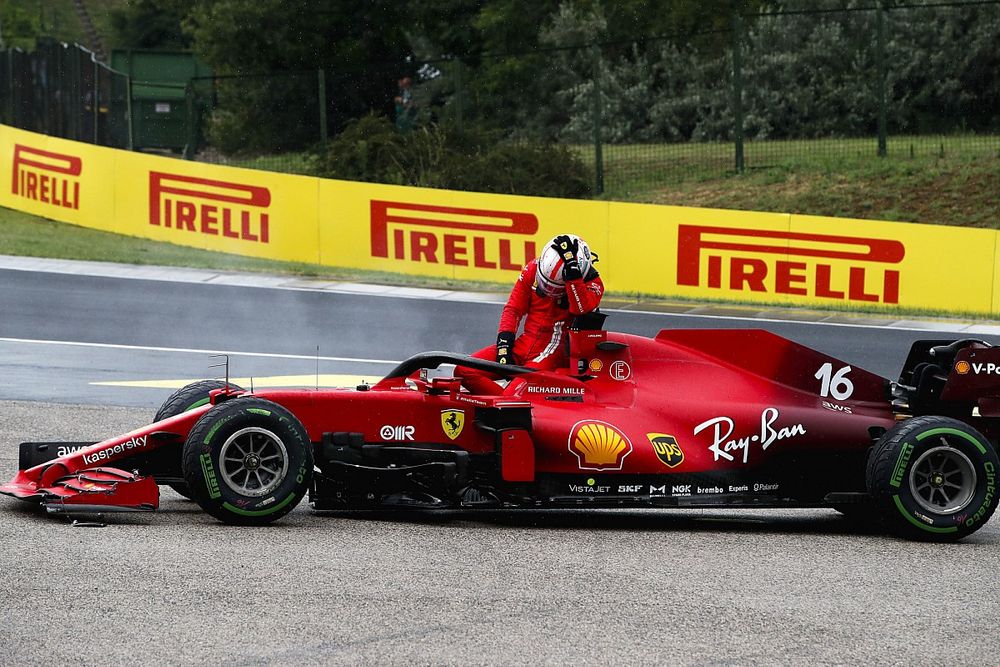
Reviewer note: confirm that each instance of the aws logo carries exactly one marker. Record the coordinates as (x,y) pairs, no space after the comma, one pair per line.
(598,445)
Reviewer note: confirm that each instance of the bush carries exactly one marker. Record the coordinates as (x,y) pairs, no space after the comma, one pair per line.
(371,149)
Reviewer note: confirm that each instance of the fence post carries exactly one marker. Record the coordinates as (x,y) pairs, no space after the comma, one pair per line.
(738,90)
(128,109)
(11,88)
(459,95)
(190,145)
(598,152)
(321,75)
(95,100)
(880,75)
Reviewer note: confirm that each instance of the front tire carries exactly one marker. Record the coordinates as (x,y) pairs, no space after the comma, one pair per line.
(187,398)
(248,461)
(934,479)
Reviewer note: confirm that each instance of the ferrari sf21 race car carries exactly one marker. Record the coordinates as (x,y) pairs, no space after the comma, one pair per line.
(690,418)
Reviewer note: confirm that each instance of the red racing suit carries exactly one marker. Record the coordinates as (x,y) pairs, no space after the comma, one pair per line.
(542,344)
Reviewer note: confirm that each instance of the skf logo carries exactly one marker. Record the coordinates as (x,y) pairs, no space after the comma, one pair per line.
(802,271)
(452,422)
(598,446)
(51,178)
(205,206)
(453,236)
(667,449)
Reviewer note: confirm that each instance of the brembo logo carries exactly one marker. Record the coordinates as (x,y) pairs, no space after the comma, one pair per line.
(804,269)
(51,178)
(454,236)
(205,206)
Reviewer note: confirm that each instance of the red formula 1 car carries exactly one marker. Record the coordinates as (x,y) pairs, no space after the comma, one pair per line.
(691,418)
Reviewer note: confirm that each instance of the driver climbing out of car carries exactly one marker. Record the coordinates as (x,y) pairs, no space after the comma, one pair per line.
(552,289)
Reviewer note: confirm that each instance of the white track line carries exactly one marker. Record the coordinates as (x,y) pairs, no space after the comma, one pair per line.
(187,350)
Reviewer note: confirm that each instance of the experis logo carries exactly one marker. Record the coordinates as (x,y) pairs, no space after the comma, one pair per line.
(51,178)
(211,207)
(481,238)
(848,268)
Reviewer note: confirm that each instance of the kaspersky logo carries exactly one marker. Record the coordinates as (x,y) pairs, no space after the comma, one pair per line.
(744,260)
(47,177)
(209,207)
(453,236)
(598,445)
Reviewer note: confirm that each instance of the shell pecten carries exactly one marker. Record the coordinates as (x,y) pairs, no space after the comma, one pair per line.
(599,446)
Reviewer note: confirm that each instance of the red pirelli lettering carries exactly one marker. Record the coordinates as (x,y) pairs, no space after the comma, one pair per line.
(47,177)
(209,206)
(454,236)
(738,252)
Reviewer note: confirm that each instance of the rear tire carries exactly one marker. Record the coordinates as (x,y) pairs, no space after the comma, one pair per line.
(248,461)
(934,479)
(187,398)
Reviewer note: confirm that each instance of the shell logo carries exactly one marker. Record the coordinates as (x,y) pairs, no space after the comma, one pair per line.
(962,368)
(598,445)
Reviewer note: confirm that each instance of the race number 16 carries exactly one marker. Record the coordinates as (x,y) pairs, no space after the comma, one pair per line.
(837,385)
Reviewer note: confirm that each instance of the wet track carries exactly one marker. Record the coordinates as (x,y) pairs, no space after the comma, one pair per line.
(684,587)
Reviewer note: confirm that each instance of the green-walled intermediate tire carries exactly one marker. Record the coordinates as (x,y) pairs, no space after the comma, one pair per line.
(187,398)
(248,461)
(933,478)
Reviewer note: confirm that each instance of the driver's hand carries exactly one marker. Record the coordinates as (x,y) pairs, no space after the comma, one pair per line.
(505,347)
(567,248)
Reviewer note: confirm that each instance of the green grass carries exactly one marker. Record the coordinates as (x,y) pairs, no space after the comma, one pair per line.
(938,180)
(302,162)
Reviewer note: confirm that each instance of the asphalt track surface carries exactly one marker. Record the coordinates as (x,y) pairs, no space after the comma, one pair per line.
(683,587)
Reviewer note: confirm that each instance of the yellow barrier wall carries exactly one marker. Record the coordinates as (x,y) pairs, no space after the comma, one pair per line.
(665,251)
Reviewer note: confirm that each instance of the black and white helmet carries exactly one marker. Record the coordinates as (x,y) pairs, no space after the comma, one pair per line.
(550,267)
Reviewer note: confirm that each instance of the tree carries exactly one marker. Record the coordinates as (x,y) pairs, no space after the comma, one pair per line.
(362,45)
(150,24)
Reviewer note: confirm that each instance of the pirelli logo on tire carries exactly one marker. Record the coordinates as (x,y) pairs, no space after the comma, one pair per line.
(454,236)
(209,207)
(852,269)
(46,176)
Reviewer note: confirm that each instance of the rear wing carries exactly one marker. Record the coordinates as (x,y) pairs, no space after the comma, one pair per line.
(943,374)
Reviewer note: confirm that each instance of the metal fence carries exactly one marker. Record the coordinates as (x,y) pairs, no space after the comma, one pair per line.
(64,91)
(820,87)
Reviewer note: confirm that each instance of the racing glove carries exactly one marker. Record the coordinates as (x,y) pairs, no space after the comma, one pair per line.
(505,347)
(567,249)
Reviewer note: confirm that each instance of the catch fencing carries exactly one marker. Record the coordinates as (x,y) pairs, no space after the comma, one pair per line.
(63,90)
(826,88)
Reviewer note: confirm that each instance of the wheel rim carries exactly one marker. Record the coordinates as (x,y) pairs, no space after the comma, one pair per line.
(943,480)
(254,462)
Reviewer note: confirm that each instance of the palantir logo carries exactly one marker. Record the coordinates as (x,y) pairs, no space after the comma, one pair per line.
(450,235)
(211,207)
(47,177)
(749,264)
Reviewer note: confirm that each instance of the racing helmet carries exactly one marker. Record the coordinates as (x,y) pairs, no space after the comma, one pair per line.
(549,277)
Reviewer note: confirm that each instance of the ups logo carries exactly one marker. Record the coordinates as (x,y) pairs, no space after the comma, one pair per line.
(667,449)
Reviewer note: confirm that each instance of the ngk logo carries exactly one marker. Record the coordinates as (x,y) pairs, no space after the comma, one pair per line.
(51,178)
(204,206)
(738,259)
(454,236)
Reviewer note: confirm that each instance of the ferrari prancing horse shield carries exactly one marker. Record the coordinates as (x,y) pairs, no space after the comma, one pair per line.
(453,421)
